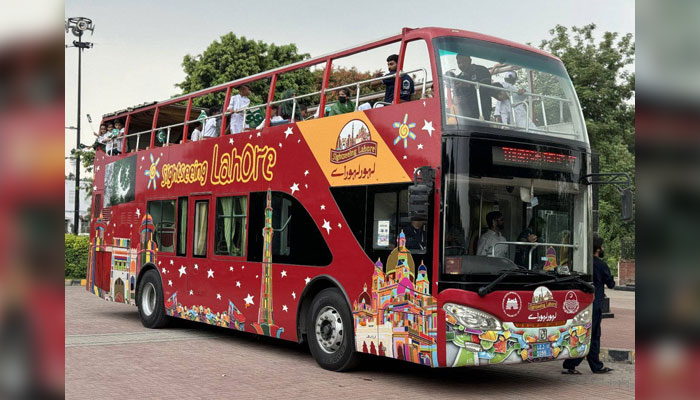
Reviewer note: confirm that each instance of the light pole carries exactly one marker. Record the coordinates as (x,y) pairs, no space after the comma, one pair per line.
(78,26)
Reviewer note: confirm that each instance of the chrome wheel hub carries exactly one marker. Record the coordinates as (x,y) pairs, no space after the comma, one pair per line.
(329,329)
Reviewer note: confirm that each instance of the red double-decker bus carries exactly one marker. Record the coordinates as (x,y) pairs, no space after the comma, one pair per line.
(443,218)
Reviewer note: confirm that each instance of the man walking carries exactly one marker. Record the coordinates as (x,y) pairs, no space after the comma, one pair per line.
(601,278)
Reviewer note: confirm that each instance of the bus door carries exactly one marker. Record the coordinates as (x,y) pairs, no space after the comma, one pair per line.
(199,248)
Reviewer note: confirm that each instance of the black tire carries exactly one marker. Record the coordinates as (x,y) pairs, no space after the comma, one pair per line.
(150,301)
(330,320)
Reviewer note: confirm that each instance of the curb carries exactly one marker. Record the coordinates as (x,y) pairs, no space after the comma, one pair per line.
(75,282)
(617,355)
(625,288)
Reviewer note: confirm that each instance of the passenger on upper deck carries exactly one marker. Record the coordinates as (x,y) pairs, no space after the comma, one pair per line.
(519,108)
(287,106)
(197,132)
(343,105)
(406,82)
(211,126)
(465,93)
(275,119)
(114,146)
(237,103)
(101,138)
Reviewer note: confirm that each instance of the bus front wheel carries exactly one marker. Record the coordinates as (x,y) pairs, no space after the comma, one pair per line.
(151,305)
(330,331)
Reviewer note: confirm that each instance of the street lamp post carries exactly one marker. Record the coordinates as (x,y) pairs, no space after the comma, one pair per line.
(78,26)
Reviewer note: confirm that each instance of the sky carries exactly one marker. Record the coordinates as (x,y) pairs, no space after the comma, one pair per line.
(139,46)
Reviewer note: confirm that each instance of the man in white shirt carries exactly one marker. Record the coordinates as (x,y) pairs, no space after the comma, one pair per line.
(211,125)
(197,132)
(488,240)
(237,103)
(519,108)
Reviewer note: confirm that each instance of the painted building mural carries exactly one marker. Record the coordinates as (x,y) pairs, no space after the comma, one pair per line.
(513,344)
(397,316)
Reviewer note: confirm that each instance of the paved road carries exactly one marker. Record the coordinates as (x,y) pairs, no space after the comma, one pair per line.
(110,355)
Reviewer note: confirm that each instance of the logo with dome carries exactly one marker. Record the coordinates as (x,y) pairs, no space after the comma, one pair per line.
(354,141)
(542,298)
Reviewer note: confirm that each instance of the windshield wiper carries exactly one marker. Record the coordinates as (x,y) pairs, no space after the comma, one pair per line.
(484,290)
(590,288)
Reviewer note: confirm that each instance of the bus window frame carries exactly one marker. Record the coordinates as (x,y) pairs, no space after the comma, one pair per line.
(194,199)
(216,256)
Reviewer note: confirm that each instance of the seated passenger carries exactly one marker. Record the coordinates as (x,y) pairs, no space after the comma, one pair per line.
(287,106)
(465,92)
(197,132)
(488,240)
(416,235)
(237,103)
(406,82)
(211,126)
(343,105)
(275,119)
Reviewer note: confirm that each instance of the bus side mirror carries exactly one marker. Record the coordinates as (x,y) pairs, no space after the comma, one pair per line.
(419,194)
(626,205)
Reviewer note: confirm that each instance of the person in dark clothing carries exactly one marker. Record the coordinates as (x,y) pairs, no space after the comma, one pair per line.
(465,93)
(601,278)
(406,82)
(416,235)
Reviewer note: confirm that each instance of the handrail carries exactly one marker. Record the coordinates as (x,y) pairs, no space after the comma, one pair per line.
(294,99)
(533,245)
(536,130)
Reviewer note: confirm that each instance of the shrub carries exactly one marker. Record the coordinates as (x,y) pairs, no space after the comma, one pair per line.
(77,249)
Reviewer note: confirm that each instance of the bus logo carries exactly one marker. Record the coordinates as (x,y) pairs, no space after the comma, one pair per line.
(541,298)
(354,141)
(570,302)
(512,303)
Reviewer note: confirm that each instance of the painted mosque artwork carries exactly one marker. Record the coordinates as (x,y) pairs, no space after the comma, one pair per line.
(397,316)
(353,133)
(114,268)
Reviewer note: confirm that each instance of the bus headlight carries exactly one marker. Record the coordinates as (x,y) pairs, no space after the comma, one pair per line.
(473,319)
(584,316)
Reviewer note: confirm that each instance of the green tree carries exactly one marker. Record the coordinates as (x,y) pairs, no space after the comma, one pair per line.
(234,57)
(604,81)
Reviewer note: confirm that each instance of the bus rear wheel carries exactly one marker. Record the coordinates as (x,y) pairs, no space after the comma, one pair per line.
(330,331)
(151,304)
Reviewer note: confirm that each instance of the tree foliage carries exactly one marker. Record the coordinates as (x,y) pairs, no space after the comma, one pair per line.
(77,249)
(234,57)
(604,82)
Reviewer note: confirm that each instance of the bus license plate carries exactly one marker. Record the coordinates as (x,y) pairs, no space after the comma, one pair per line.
(542,350)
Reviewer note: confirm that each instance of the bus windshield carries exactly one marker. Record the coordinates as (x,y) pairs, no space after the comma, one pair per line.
(505,208)
(504,87)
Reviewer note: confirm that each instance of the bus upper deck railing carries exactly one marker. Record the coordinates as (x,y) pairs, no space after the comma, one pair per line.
(246,110)
(528,105)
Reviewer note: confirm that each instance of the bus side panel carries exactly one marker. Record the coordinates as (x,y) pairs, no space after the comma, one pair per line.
(103,270)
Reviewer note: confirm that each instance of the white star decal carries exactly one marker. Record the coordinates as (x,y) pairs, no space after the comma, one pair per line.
(299,141)
(163,270)
(307,280)
(210,273)
(306,172)
(170,283)
(294,188)
(196,267)
(284,308)
(94,187)
(424,103)
(97,168)
(284,273)
(428,127)
(242,266)
(327,227)
(258,135)
(238,284)
(405,157)
(159,262)
(256,276)
(306,186)
(230,268)
(191,292)
(131,225)
(138,212)
(143,158)
(172,262)
(288,132)
(218,296)
(323,207)
(182,270)
(248,300)
(230,141)
(294,295)
(250,136)
(280,145)
(420,146)
(339,226)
